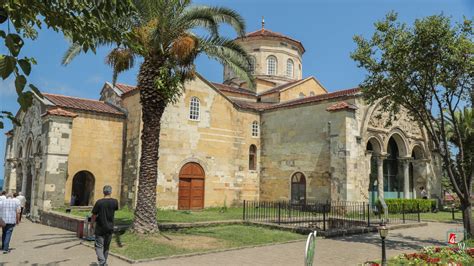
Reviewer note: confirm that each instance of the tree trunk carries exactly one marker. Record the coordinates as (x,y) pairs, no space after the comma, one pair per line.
(466,208)
(153,107)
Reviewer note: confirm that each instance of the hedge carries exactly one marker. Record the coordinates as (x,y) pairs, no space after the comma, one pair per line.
(409,205)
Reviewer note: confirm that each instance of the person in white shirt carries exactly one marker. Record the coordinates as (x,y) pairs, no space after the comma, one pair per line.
(22,200)
(3,195)
(10,213)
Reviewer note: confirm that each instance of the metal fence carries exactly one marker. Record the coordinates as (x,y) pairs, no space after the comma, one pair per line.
(324,215)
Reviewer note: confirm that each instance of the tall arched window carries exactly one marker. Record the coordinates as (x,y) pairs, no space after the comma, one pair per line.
(253,157)
(298,188)
(194,109)
(252,64)
(255,129)
(271,65)
(289,68)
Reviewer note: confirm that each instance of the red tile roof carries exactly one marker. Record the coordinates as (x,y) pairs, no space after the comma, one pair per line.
(317,98)
(256,106)
(59,112)
(82,104)
(223,87)
(271,34)
(341,106)
(280,87)
(124,88)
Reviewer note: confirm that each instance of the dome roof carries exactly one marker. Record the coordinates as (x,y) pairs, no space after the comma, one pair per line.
(264,33)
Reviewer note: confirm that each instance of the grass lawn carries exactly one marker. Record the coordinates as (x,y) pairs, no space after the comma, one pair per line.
(442,216)
(197,240)
(125,216)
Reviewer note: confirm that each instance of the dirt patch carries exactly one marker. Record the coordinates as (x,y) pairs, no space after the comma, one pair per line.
(189,241)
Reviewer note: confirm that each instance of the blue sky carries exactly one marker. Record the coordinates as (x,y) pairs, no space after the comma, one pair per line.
(325,27)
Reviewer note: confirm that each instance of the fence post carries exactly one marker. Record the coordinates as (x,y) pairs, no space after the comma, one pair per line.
(279,215)
(243,215)
(418,207)
(368,214)
(452,211)
(324,217)
(403,211)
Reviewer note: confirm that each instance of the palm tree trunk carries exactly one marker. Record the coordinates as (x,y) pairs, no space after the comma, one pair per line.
(153,107)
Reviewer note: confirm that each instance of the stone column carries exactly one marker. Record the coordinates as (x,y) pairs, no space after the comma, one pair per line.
(24,176)
(406,177)
(380,191)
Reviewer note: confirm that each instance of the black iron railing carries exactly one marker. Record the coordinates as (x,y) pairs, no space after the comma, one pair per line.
(324,215)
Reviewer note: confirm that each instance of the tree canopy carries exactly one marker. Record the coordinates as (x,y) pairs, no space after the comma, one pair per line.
(81,21)
(428,69)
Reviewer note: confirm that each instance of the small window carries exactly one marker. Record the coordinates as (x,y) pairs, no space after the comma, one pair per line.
(289,68)
(301,95)
(253,157)
(194,109)
(252,64)
(271,65)
(255,129)
(311,93)
(298,188)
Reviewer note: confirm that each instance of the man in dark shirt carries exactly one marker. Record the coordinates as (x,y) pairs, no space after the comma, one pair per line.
(103,214)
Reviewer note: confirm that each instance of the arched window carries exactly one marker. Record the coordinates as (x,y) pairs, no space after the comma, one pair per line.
(311,93)
(253,157)
(301,95)
(255,129)
(289,68)
(194,109)
(252,64)
(298,188)
(271,65)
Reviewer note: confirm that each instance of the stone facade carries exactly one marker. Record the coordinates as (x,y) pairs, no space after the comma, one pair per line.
(289,139)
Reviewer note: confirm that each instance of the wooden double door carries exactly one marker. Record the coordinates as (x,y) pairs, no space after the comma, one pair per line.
(191,187)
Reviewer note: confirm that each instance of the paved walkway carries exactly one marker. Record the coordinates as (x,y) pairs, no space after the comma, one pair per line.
(37,244)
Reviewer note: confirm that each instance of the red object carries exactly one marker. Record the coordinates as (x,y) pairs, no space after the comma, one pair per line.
(80,229)
(452,238)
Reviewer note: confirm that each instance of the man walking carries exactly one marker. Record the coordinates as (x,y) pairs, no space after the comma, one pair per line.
(103,214)
(22,200)
(10,213)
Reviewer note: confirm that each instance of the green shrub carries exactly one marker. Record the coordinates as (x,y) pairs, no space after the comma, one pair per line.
(409,205)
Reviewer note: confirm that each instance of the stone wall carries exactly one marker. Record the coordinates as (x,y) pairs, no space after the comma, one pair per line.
(96,147)
(300,140)
(305,88)
(219,141)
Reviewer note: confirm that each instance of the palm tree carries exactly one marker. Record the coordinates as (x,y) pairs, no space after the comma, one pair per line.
(162,35)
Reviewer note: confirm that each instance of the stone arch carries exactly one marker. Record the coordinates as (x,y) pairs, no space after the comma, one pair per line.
(374,144)
(197,160)
(418,152)
(399,136)
(82,192)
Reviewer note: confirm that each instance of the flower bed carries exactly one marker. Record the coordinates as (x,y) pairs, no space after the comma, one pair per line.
(452,256)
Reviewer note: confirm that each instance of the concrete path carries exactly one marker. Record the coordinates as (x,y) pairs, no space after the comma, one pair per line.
(37,244)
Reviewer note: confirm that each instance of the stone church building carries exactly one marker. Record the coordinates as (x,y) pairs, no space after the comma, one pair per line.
(287,139)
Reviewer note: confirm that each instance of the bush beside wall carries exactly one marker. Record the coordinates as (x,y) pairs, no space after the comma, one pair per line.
(409,205)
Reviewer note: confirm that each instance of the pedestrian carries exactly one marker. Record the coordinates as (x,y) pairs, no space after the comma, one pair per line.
(103,214)
(10,213)
(3,195)
(22,200)
(423,193)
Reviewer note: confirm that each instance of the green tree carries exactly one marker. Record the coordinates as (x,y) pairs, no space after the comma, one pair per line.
(82,21)
(427,68)
(162,35)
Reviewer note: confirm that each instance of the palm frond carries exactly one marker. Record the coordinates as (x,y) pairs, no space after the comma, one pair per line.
(120,59)
(200,15)
(74,50)
(229,53)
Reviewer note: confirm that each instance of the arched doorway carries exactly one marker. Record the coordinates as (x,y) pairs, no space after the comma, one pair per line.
(191,187)
(298,188)
(82,189)
(373,148)
(392,181)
